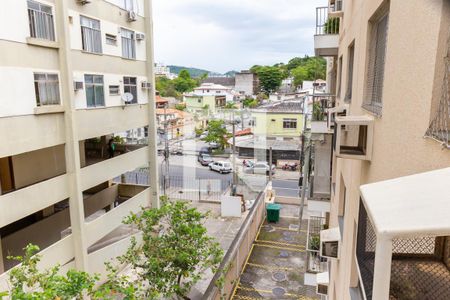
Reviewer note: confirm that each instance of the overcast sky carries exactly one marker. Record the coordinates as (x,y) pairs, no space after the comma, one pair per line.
(232,34)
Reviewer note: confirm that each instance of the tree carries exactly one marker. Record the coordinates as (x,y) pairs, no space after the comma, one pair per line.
(269,78)
(217,133)
(166,87)
(300,74)
(230,105)
(29,283)
(184,83)
(175,253)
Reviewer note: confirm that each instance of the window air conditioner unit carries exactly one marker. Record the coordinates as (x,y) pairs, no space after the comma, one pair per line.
(140,36)
(83,2)
(78,85)
(330,240)
(132,16)
(338,111)
(146,85)
(322,280)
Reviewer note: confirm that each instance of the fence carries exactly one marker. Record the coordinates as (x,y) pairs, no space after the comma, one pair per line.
(324,23)
(181,187)
(315,263)
(233,262)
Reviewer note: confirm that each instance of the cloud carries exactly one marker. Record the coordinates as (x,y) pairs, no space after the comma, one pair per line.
(233,34)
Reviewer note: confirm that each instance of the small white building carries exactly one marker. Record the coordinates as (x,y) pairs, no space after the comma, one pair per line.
(211,89)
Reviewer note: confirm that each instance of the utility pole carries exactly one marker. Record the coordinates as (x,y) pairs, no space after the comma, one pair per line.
(234,187)
(166,153)
(270,164)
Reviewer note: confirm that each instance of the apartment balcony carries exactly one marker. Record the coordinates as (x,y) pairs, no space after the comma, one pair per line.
(31,132)
(103,121)
(326,39)
(403,240)
(315,263)
(320,118)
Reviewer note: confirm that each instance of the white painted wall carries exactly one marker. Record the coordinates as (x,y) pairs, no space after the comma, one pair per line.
(108,79)
(105,27)
(17,90)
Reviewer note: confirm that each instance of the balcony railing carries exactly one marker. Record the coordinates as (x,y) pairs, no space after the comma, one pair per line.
(420,267)
(326,24)
(336,6)
(315,263)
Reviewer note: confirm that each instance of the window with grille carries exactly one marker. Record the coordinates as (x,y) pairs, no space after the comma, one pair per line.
(46,87)
(94,90)
(40,19)
(128,44)
(351,58)
(91,35)
(289,123)
(375,73)
(130,86)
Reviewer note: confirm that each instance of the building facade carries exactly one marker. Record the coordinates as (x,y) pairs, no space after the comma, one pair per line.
(246,83)
(389,74)
(76,75)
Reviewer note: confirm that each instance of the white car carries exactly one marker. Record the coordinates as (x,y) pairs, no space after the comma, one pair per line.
(261,167)
(221,167)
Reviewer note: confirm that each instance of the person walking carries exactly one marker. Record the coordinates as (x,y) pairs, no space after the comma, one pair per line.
(111,148)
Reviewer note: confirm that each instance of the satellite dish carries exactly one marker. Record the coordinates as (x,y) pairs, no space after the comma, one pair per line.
(127,97)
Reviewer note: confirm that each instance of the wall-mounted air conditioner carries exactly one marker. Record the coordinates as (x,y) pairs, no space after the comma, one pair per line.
(322,280)
(334,112)
(146,85)
(330,240)
(140,36)
(78,85)
(132,16)
(354,137)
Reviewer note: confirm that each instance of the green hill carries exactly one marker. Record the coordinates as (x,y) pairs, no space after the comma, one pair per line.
(195,72)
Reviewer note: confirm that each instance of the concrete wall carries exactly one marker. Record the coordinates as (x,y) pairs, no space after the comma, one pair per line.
(38,165)
(399,146)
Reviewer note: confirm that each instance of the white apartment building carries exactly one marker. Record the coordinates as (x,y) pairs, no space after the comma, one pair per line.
(211,89)
(386,228)
(74,75)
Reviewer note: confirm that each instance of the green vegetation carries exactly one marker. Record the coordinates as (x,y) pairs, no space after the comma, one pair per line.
(331,26)
(174,254)
(193,72)
(314,242)
(230,105)
(318,114)
(176,87)
(217,133)
(300,68)
(250,102)
(180,106)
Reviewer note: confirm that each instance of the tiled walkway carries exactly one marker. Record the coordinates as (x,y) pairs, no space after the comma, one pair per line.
(277,263)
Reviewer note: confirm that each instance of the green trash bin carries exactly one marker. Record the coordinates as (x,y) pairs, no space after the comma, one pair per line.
(273,212)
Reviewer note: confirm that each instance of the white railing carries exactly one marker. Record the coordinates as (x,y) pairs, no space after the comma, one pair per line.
(41,25)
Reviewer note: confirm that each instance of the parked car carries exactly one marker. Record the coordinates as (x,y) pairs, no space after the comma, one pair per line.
(204,159)
(213,145)
(221,167)
(261,167)
(204,150)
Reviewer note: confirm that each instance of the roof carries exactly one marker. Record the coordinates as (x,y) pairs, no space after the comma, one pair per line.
(159,99)
(287,106)
(245,131)
(251,142)
(211,86)
(416,205)
(171,111)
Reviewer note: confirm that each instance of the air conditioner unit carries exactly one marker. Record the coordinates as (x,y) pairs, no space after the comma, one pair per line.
(146,85)
(132,16)
(140,36)
(330,240)
(83,2)
(354,137)
(322,280)
(78,85)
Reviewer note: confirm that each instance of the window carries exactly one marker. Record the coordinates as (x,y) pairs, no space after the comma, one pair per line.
(129,5)
(199,100)
(46,87)
(91,35)
(111,39)
(289,123)
(128,44)
(351,58)
(40,18)
(130,86)
(375,71)
(94,90)
(114,90)
(217,92)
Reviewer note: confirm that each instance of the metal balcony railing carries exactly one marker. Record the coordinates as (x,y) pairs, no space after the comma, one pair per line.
(315,263)
(324,23)
(321,103)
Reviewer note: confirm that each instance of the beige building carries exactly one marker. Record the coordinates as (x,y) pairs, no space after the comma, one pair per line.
(75,74)
(388,65)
